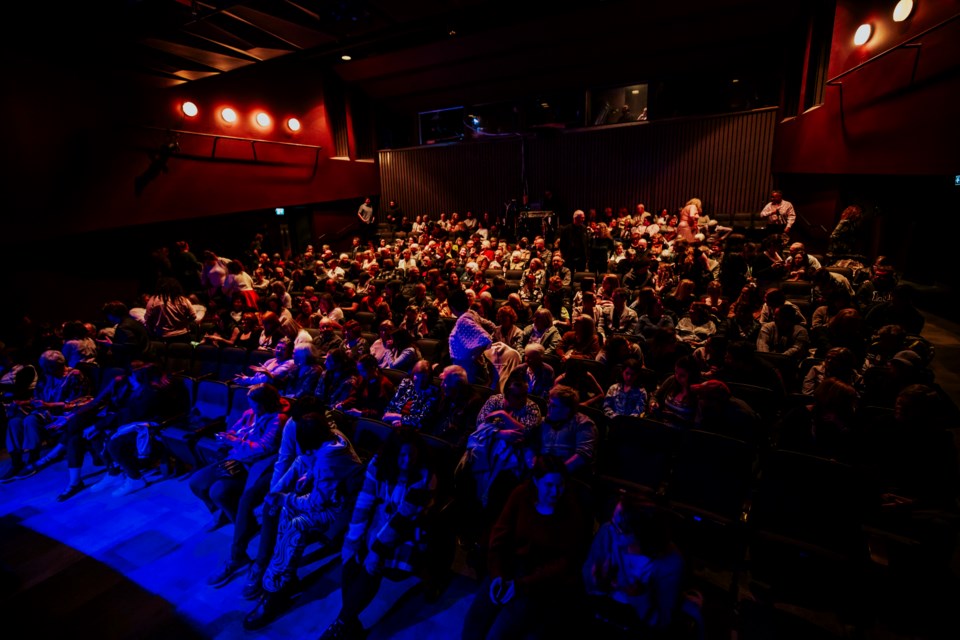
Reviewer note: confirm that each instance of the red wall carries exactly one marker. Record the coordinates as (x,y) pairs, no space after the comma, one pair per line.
(897,114)
(77,149)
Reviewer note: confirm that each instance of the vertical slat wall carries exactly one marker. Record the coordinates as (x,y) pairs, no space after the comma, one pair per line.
(723,160)
(428,180)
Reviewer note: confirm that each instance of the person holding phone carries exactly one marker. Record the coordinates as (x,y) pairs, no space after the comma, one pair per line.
(536,549)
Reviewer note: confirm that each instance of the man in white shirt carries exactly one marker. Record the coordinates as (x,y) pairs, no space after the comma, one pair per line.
(778,213)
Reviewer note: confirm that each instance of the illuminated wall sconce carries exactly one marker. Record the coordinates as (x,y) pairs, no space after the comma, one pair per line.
(189,109)
(263,119)
(293,124)
(903,10)
(229,115)
(863,34)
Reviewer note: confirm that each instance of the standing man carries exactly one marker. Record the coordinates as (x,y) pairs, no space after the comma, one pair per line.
(367,221)
(778,214)
(574,240)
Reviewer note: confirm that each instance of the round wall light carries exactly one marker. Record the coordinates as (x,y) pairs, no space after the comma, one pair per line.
(293,124)
(189,109)
(229,115)
(903,10)
(263,119)
(863,34)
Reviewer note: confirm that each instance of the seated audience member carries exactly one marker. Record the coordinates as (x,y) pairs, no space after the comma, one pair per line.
(403,351)
(538,374)
(145,397)
(581,341)
(375,390)
(634,573)
(627,397)
(536,549)
(741,325)
(494,460)
(129,340)
(800,265)
(233,487)
(507,330)
(674,401)
(354,343)
(386,536)
(718,411)
(566,433)
(329,337)
(696,326)
(313,498)
(899,309)
(824,428)
(338,386)
(619,318)
(274,371)
(784,335)
(305,374)
(542,331)
(840,363)
(414,400)
(249,336)
(455,413)
(381,346)
(59,391)
(78,344)
(880,385)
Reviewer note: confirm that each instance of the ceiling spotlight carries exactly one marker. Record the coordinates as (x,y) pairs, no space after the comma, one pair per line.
(263,119)
(635,92)
(451,32)
(346,58)
(293,124)
(863,34)
(229,115)
(735,81)
(903,10)
(189,109)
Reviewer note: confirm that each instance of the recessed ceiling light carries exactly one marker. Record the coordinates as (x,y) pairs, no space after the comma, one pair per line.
(635,91)
(735,80)
(346,58)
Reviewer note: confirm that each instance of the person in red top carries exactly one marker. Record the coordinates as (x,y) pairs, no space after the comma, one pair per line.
(536,549)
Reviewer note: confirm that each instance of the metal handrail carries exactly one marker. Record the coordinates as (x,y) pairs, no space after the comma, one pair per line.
(253,143)
(909,43)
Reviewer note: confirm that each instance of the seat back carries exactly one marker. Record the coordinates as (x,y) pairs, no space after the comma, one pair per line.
(761,399)
(258,356)
(366,320)
(369,435)
(429,348)
(238,403)
(712,476)
(640,451)
(179,358)
(206,361)
(233,361)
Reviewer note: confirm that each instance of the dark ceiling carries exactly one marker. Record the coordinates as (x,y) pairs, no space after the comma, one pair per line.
(418,54)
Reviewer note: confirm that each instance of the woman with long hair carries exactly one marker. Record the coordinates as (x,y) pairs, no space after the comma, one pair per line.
(169,316)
